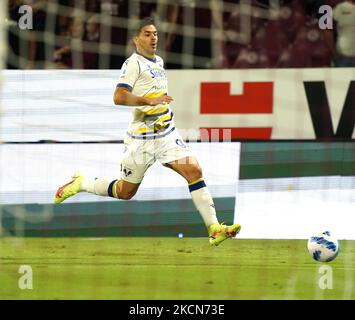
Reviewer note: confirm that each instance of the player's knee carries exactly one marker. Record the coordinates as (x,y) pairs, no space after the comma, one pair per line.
(127,195)
(125,190)
(194,173)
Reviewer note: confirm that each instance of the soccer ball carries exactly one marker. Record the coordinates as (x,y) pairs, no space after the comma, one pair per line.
(323,247)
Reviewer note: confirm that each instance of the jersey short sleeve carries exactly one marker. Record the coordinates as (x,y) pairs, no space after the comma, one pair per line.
(129,73)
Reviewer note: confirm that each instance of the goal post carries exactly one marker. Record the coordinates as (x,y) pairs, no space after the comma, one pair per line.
(3,49)
(3,34)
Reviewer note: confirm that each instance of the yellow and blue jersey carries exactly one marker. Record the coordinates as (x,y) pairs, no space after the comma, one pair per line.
(147,78)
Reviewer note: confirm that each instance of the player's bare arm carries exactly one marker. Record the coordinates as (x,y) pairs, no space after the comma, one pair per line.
(123,96)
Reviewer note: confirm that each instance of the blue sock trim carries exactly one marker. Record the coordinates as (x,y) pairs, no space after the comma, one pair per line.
(110,187)
(198,185)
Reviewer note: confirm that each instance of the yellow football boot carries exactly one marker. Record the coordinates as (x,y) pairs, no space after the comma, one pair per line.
(220,232)
(69,189)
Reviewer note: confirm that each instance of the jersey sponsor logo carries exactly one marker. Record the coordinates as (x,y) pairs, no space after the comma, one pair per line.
(156,73)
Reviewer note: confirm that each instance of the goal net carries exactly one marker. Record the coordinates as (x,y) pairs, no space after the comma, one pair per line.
(257,98)
(192,33)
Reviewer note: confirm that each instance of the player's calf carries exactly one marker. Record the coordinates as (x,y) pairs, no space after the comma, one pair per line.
(118,189)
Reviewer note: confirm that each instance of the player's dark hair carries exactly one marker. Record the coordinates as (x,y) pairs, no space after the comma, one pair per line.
(144,22)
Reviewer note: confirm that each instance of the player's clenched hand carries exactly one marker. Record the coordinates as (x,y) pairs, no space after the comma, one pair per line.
(160,100)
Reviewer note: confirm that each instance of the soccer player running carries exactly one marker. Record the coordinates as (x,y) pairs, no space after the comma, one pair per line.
(151,136)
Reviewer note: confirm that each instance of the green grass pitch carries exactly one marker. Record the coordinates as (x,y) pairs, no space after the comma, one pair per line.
(172,268)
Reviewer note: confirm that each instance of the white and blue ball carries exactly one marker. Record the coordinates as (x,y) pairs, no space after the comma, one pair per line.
(323,247)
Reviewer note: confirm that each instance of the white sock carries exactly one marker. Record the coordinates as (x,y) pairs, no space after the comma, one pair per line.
(203,201)
(97,186)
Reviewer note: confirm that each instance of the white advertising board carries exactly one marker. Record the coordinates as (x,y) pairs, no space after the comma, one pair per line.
(77,105)
(31,173)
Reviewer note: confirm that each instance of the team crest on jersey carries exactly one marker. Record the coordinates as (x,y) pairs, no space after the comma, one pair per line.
(180,143)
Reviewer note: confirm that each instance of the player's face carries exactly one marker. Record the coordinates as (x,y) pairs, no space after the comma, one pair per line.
(147,41)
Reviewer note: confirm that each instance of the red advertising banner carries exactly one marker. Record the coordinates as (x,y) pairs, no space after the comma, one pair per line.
(311,104)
